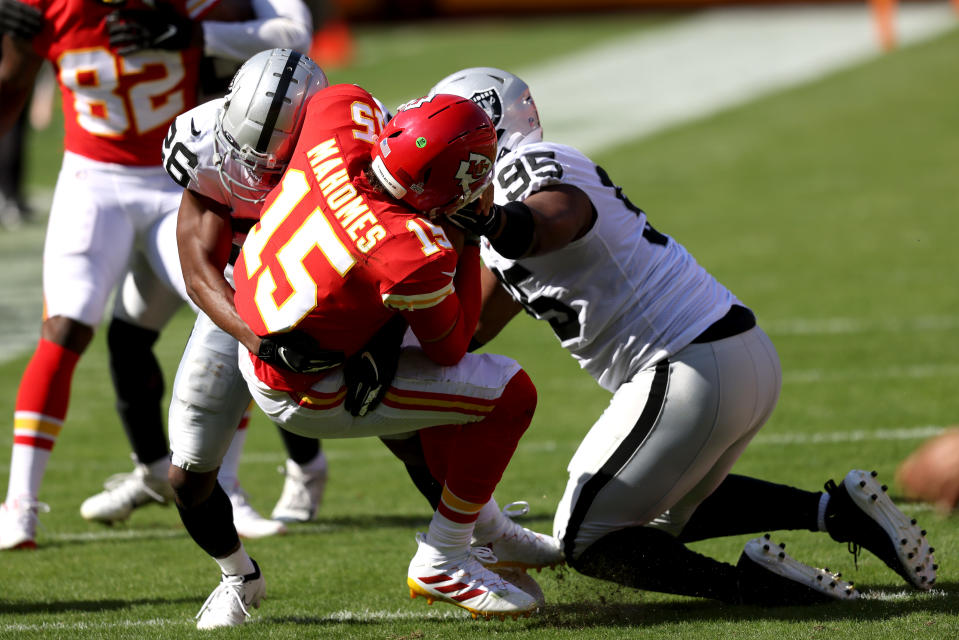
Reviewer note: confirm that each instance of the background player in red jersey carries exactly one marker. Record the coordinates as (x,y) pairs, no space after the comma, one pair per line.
(111,199)
(347,241)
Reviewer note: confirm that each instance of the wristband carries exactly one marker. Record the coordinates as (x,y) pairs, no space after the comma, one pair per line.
(516,236)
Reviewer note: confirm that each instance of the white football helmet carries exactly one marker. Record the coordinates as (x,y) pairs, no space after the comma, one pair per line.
(504,97)
(261,118)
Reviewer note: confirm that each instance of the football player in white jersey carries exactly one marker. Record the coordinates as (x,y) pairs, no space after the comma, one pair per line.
(226,154)
(146,306)
(693,380)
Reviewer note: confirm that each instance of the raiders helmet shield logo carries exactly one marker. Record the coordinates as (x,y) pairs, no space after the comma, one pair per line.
(490,102)
(471,171)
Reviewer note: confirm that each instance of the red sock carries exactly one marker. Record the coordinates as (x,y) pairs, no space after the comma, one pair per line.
(471,458)
(39,413)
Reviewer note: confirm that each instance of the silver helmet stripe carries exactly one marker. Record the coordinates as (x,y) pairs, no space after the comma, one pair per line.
(278,97)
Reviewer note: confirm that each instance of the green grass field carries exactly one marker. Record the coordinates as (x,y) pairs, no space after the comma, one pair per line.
(828,208)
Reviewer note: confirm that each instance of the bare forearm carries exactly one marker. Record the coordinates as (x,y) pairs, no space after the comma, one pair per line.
(214,295)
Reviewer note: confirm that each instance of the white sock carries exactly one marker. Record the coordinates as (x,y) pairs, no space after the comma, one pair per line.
(449,537)
(237,563)
(490,523)
(27,466)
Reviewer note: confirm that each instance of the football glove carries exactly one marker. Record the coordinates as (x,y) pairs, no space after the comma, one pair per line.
(297,352)
(472,222)
(133,30)
(20,20)
(369,372)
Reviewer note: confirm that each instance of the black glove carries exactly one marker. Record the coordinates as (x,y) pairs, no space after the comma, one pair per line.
(133,30)
(20,20)
(369,372)
(471,221)
(298,352)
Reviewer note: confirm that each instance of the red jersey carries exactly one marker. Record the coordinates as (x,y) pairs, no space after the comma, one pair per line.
(330,255)
(116,109)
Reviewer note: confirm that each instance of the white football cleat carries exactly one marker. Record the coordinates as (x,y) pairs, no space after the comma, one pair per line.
(772,578)
(229,604)
(516,546)
(463,580)
(519,578)
(302,492)
(18,523)
(124,492)
(860,512)
(248,522)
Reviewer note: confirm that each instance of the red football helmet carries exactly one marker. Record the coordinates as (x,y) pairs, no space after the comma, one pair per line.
(436,154)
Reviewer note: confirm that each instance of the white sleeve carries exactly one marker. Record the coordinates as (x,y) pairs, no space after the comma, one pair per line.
(278,23)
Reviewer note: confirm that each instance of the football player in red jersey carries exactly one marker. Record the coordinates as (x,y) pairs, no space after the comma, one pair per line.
(123,77)
(350,238)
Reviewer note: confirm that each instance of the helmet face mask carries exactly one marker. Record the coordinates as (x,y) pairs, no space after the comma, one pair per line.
(504,97)
(245,175)
(436,154)
(261,118)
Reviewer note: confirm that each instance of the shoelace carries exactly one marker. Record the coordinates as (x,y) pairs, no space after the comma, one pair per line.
(510,513)
(230,588)
(24,512)
(485,556)
(853,547)
(27,510)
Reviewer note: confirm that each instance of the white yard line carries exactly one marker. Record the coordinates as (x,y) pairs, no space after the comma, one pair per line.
(345,615)
(643,83)
(276,458)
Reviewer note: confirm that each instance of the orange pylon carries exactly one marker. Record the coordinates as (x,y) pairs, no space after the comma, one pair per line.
(884,11)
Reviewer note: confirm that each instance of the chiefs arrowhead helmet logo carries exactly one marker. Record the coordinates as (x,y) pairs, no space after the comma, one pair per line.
(471,171)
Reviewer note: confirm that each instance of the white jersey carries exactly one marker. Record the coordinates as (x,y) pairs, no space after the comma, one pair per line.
(190,157)
(620,298)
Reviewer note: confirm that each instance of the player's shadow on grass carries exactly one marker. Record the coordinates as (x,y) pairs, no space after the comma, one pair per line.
(82,606)
(883,604)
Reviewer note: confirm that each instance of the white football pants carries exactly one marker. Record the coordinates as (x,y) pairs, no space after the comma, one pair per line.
(106,219)
(668,438)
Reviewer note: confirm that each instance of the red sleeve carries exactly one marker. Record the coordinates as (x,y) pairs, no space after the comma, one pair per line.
(459,310)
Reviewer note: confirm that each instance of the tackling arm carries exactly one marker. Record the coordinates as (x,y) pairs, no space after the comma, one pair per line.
(204,240)
(499,308)
(546,221)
